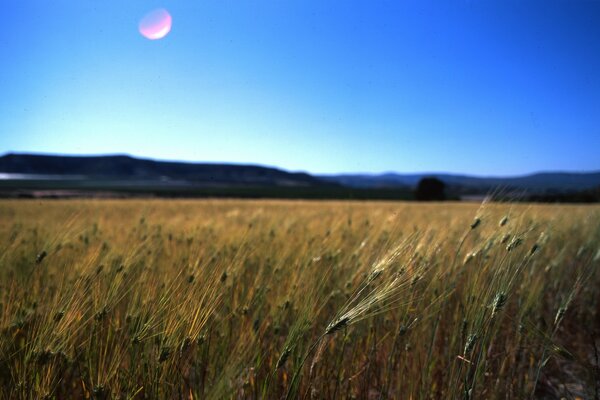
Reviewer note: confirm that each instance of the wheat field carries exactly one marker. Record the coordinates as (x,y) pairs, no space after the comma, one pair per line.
(219,299)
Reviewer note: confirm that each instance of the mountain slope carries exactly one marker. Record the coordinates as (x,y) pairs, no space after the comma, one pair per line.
(124,167)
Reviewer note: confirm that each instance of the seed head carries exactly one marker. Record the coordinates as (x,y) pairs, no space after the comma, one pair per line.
(375,274)
(285,354)
(165,352)
(499,302)
(185,345)
(101,315)
(100,392)
(44,356)
(337,325)
(414,280)
(59,315)
(471,340)
(469,257)
(559,314)
(534,249)
(516,242)
(40,257)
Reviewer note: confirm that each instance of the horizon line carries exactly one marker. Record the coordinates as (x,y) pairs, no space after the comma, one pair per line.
(317,174)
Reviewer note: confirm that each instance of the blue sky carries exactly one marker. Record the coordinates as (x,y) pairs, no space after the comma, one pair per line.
(479,86)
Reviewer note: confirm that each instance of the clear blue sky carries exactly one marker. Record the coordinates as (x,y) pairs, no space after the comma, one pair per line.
(478,86)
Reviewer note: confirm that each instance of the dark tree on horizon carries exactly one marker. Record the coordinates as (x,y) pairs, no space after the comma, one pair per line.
(430,189)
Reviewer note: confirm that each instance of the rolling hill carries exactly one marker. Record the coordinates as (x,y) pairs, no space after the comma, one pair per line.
(26,173)
(127,168)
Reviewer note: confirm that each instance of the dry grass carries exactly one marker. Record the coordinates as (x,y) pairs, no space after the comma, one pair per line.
(268,299)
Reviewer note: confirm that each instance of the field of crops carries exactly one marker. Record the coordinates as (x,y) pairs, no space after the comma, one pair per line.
(159,299)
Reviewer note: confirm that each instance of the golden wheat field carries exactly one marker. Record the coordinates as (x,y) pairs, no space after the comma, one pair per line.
(219,299)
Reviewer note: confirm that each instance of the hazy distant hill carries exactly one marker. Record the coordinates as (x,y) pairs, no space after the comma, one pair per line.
(540,182)
(123,167)
(31,174)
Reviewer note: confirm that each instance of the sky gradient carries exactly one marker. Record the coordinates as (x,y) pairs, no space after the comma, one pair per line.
(481,87)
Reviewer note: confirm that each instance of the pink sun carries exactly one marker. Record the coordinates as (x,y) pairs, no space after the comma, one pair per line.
(156,24)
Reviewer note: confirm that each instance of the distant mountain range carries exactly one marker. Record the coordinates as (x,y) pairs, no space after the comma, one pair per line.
(30,171)
(535,183)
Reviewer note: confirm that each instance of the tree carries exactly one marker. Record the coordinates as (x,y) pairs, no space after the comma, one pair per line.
(430,189)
